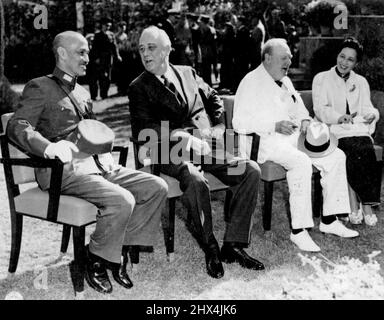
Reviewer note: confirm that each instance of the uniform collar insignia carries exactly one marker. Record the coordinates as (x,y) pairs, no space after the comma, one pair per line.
(65,78)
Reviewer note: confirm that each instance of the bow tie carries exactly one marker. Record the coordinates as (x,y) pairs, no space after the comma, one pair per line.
(279,83)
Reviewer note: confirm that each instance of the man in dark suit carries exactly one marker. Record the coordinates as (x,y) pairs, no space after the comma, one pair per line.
(103,54)
(168,25)
(174,99)
(129,201)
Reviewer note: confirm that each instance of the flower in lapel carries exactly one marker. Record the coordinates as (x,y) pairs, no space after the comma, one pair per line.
(352,88)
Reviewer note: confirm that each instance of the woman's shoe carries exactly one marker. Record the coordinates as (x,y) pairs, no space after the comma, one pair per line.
(370,219)
(356,217)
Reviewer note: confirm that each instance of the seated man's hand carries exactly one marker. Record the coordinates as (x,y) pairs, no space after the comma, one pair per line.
(304,125)
(285,127)
(216,132)
(347,118)
(369,117)
(62,149)
(201,147)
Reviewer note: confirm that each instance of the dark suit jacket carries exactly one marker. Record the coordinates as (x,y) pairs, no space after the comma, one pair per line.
(150,102)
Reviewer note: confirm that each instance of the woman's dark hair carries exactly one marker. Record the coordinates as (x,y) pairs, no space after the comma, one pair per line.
(351,42)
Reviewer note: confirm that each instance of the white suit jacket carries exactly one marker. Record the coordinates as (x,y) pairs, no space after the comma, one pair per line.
(330,93)
(259,104)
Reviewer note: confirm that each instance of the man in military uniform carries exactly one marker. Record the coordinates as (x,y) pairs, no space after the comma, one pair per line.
(129,201)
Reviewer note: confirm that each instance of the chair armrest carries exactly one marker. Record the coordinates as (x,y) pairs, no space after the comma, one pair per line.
(255,143)
(123,156)
(147,160)
(54,190)
(33,161)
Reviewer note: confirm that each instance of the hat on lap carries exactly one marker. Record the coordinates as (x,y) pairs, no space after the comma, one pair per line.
(93,137)
(318,140)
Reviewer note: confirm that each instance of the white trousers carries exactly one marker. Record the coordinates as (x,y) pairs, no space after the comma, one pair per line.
(299,178)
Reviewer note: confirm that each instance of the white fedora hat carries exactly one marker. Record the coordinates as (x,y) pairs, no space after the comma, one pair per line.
(318,140)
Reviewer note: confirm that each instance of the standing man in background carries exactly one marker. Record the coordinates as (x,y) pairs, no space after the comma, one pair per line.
(104,51)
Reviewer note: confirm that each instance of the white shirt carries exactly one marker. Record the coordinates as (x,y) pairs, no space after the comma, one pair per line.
(260,103)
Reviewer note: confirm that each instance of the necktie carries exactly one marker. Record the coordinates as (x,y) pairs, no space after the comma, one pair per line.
(280,83)
(171,86)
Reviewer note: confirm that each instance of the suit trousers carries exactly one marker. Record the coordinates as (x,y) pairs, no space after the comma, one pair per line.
(242,176)
(299,178)
(100,77)
(130,203)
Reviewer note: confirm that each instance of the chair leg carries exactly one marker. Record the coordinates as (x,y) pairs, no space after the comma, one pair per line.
(78,264)
(65,238)
(318,196)
(267,209)
(134,254)
(169,230)
(17,231)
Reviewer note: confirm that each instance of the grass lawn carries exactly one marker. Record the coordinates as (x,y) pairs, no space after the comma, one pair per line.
(343,269)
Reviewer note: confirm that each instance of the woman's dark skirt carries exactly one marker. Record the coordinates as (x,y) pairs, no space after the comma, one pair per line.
(363,171)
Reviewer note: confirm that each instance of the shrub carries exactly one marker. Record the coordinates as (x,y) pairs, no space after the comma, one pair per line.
(370,34)
(337,280)
(8,98)
(320,12)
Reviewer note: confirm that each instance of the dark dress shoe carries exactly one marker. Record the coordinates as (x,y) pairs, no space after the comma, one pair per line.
(96,274)
(230,253)
(119,272)
(121,277)
(212,258)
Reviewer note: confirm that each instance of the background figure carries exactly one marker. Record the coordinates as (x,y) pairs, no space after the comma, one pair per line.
(341,99)
(168,25)
(121,68)
(257,42)
(227,57)
(195,34)
(276,27)
(208,49)
(104,51)
(135,67)
(242,53)
(183,42)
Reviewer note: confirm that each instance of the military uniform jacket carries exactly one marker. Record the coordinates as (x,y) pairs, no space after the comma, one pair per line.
(46,114)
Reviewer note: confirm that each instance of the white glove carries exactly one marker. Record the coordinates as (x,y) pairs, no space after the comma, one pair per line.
(62,149)
(201,147)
